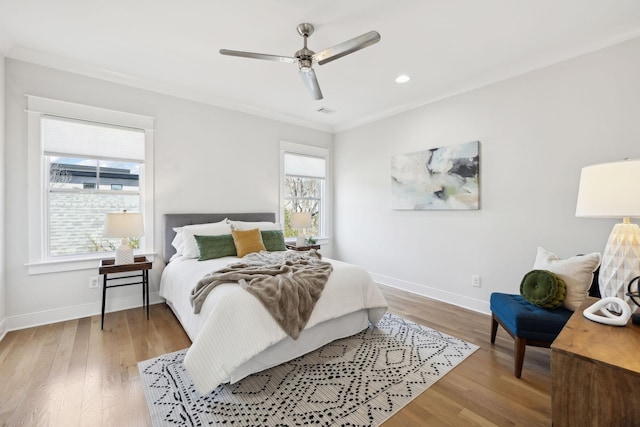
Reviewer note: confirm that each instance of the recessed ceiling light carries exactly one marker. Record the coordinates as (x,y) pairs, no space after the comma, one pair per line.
(402,78)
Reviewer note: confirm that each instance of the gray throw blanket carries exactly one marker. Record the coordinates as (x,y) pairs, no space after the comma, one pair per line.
(287,283)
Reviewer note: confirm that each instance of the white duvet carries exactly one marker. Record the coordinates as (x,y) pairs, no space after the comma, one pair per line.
(233,326)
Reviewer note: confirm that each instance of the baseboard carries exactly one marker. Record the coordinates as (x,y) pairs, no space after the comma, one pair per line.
(76,312)
(29,320)
(433,293)
(3,328)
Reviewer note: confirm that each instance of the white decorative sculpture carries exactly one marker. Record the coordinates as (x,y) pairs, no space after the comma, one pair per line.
(609,318)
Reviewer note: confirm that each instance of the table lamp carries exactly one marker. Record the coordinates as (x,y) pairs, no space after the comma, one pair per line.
(124,225)
(612,190)
(300,221)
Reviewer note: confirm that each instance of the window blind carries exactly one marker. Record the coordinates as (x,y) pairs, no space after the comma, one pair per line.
(61,136)
(304,166)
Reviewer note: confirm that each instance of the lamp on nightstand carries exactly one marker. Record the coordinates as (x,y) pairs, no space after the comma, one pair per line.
(300,221)
(612,190)
(124,225)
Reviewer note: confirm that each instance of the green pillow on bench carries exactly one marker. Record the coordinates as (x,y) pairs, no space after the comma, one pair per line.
(543,288)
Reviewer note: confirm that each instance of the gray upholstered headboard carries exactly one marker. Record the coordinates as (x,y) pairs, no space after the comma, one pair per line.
(178,220)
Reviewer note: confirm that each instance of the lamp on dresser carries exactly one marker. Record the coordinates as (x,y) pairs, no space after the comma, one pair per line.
(124,225)
(300,221)
(612,190)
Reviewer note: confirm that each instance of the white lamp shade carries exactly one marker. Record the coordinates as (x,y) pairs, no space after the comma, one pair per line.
(123,224)
(300,220)
(610,190)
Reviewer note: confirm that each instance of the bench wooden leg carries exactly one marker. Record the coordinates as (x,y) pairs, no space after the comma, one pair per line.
(494,328)
(521,344)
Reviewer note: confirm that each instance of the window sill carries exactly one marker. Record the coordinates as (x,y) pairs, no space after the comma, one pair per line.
(76,264)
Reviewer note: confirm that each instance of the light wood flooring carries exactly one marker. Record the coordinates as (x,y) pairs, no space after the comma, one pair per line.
(73,374)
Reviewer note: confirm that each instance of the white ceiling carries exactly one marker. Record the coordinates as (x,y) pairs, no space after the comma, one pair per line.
(446,46)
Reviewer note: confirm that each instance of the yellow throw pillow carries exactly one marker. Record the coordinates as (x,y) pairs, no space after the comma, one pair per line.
(247,241)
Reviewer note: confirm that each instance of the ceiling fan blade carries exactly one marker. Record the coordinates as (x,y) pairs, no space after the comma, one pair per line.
(345,48)
(278,58)
(311,82)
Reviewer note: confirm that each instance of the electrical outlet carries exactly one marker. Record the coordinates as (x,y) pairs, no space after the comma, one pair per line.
(475,281)
(94,282)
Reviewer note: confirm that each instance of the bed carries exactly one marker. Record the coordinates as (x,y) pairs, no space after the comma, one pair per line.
(234,336)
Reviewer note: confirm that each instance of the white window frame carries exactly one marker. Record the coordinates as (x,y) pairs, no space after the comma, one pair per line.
(37,186)
(327,204)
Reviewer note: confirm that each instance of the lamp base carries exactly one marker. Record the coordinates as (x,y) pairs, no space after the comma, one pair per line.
(620,261)
(124,254)
(301,240)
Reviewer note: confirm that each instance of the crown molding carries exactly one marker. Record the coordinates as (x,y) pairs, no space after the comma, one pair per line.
(76,67)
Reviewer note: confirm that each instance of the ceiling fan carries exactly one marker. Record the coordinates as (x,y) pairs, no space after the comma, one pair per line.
(306,57)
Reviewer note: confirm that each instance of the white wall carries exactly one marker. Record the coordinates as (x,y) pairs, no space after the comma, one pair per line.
(207,159)
(536,132)
(3,292)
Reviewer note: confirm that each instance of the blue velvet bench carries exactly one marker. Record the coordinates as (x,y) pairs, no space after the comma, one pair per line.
(527,323)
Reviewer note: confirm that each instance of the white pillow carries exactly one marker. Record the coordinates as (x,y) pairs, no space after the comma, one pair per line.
(178,240)
(577,273)
(262,225)
(189,246)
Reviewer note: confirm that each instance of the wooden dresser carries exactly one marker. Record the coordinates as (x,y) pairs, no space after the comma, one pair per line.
(595,373)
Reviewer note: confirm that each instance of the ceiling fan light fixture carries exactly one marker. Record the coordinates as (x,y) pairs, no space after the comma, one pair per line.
(402,78)
(305,64)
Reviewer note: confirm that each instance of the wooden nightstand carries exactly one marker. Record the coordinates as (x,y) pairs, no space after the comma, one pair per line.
(293,247)
(141,264)
(595,373)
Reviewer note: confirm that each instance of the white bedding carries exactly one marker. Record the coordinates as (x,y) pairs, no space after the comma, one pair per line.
(234,335)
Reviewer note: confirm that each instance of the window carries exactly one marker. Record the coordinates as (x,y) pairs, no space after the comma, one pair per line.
(84,161)
(88,162)
(305,187)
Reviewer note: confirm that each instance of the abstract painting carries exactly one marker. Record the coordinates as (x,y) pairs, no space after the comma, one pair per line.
(444,178)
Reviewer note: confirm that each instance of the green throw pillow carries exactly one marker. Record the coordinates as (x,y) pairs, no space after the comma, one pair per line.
(273,240)
(210,247)
(543,288)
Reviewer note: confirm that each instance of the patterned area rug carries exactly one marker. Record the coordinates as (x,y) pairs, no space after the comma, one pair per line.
(357,381)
